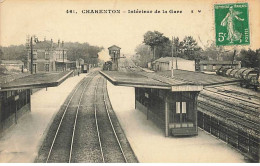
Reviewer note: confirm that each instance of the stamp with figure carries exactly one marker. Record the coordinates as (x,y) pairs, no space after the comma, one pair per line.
(232,24)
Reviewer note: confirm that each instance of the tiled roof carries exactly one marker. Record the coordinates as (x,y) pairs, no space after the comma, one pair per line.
(47,45)
(42,45)
(114,46)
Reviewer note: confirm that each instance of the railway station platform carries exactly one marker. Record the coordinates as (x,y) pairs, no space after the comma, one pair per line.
(15,92)
(151,146)
(171,102)
(222,108)
(20,142)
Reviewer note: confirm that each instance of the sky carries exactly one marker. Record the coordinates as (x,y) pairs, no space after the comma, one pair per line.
(48,18)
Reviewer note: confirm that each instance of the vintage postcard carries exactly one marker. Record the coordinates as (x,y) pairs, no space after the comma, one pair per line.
(127,81)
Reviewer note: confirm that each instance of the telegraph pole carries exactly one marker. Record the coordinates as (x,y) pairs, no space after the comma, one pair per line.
(31,43)
(176,51)
(63,59)
(172,57)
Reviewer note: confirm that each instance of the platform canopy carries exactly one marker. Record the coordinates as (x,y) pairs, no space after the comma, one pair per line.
(199,77)
(148,80)
(38,80)
(181,81)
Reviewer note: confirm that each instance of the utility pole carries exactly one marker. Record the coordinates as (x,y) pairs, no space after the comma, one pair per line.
(63,59)
(176,51)
(154,53)
(172,57)
(31,43)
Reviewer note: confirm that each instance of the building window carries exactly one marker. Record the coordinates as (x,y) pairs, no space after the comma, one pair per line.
(181,111)
(47,67)
(204,67)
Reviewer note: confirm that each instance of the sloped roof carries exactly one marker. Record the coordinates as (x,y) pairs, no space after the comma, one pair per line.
(149,80)
(38,80)
(114,46)
(42,45)
(46,44)
(168,59)
(181,81)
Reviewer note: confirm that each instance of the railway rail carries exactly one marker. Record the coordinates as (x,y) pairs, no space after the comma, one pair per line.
(83,130)
(107,134)
(53,153)
(228,115)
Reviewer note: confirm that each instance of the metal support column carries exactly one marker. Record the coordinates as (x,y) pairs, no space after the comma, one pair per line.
(195,108)
(166,117)
(15,115)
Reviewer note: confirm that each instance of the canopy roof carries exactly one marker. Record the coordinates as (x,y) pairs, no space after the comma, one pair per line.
(39,80)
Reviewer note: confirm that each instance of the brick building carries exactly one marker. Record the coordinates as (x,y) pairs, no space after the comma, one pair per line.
(48,56)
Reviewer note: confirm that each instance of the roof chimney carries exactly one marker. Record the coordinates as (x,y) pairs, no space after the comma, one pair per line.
(59,43)
(62,44)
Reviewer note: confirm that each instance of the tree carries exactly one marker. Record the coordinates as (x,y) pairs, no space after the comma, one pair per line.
(212,52)
(143,55)
(84,51)
(1,54)
(250,58)
(190,48)
(13,52)
(155,39)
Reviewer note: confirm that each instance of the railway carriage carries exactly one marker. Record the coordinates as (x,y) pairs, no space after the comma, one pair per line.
(249,76)
(84,68)
(107,65)
(228,72)
(239,73)
(233,72)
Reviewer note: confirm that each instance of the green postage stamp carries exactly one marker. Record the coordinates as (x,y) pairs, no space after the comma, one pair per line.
(232,24)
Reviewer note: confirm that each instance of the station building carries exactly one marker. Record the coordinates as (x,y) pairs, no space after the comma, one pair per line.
(48,56)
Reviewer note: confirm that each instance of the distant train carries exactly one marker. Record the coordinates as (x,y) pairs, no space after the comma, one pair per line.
(84,68)
(107,65)
(249,76)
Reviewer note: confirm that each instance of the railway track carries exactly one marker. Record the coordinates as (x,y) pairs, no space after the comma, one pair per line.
(236,95)
(83,130)
(111,149)
(62,142)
